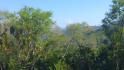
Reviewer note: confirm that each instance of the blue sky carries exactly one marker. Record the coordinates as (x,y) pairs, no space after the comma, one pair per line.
(64,11)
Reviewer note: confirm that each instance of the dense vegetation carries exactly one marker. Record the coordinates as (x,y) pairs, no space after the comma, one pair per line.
(31,40)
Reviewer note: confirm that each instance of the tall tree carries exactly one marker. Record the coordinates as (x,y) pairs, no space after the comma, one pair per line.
(113,27)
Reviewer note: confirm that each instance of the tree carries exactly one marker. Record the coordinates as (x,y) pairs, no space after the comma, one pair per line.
(81,57)
(113,27)
(26,30)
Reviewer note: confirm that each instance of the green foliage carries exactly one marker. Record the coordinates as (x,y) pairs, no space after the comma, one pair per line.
(30,41)
(113,27)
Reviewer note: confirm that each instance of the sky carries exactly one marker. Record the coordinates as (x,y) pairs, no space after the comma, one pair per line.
(64,11)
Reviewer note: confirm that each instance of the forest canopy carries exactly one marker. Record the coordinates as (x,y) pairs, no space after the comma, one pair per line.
(31,40)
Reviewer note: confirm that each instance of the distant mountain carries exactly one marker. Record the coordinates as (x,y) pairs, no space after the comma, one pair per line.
(96,27)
